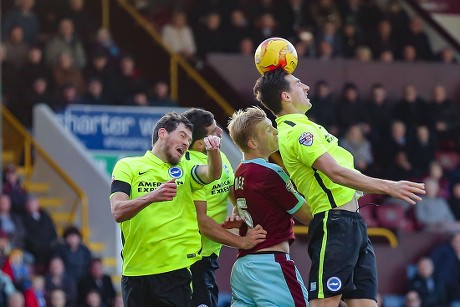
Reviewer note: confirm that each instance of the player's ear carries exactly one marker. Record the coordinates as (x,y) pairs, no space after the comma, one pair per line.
(252,144)
(285,96)
(162,133)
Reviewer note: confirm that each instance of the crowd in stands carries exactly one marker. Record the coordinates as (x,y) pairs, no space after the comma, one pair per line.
(325,29)
(57,54)
(37,267)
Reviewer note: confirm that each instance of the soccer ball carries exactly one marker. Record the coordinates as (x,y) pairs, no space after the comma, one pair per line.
(273,53)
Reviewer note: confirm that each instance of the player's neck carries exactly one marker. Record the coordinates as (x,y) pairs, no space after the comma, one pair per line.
(253,155)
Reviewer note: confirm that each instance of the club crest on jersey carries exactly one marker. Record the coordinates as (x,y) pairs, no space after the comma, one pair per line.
(306,139)
(334,284)
(175,172)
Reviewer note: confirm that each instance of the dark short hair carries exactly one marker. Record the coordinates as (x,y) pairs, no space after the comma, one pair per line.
(170,121)
(200,119)
(269,87)
(71,230)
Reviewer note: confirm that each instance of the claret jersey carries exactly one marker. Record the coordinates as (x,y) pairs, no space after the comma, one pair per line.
(163,236)
(265,195)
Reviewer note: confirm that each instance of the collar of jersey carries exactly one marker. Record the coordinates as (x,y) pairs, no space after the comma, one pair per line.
(291,117)
(255,160)
(151,156)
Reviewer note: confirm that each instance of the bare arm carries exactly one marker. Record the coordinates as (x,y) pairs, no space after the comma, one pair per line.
(213,169)
(216,232)
(124,208)
(304,215)
(405,190)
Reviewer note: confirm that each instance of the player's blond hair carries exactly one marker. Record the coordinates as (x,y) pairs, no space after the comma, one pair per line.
(242,125)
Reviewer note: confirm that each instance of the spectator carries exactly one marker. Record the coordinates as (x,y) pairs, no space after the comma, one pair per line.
(16,47)
(324,103)
(417,37)
(330,33)
(17,270)
(100,68)
(387,56)
(5,248)
(349,108)
(66,41)
(412,299)
(323,11)
(74,253)
(444,118)
(13,187)
(238,29)
(58,298)
(161,96)
(129,80)
(178,36)
(35,295)
(411,109)
(423,152)
(427,285)
(356,143)
(410,53)
(40,234)
(94,94)
(266,26)
(446,55)
(34,68)
(246,47)
(98,281)
(294,16)
(306,45)
(16,299)
(325,52)
(446,261)
(11,223)
(85,25)
(383,40)
(65,71)
(351,39)
(454,200)
(9,78)
(7,288)
(105,43)
(139,98)
(397,164)
(57,279)
(67,95)
(436,172)
(210,35)
(377,114)
(93,299)
(433,212)
(363,54)
(399,20)
(23,16)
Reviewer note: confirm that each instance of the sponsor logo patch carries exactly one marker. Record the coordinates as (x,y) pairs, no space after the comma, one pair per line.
(175,172)
(313,286)
(334,284)
(306,139)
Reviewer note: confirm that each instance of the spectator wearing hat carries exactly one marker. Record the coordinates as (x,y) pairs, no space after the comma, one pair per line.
(74,253)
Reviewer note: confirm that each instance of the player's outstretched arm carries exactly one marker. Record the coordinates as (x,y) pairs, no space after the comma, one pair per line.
(213,169)
(406,190)
(216,232)
(124,208)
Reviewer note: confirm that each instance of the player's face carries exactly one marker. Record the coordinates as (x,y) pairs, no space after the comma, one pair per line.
(298,94)
(214,130)
(177,144)
(266,137)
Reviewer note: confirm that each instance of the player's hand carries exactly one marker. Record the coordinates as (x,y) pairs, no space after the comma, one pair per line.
(212,142)
(166,191)
(408,191)
(232,221)
(253,237)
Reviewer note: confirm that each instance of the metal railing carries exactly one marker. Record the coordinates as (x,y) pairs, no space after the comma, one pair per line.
(27,153)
